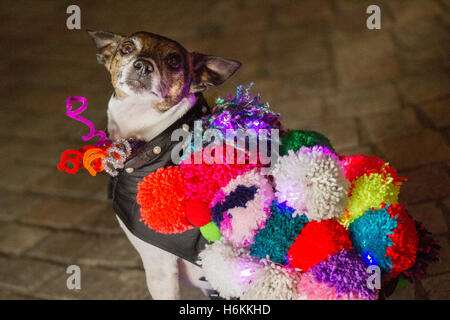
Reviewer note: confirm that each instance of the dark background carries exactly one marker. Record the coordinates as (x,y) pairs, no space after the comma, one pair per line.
(383,92)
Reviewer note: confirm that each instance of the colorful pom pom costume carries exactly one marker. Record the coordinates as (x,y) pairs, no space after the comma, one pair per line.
(313,226)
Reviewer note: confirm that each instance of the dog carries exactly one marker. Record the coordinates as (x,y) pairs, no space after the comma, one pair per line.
(158,86)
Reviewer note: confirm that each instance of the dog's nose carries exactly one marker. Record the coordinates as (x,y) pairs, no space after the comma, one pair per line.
(143,67)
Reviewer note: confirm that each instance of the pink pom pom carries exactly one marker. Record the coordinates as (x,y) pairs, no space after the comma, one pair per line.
(203,180)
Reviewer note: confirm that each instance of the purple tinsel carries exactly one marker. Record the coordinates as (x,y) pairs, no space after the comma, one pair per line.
(346,272)
(242,112)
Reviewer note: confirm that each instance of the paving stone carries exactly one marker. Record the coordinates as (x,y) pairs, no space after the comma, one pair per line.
(410,11)
(350,19)
(81,185)
(280,62)
(98,284)
(111,252)
(269,88)
(24,275)
(343,133)
(252,68)
(102,221)
(232,17)
(6,119)
(63,246)
(292,13)
(431,60)
(300,108)
(364,149)
(367,101)
(406,293)
(415,150)
(365,61)
(392,125)
(276,40)
(431,182)
(430,215)
(438,288)
(10,295)
(15,239)
(188,292)
(436,111)
(19,177)
(15,204)
(24,71)
(445,204)
(424,88)
(229,45)
(61,213)
(33,151)
(306,83)
(123,285)
(426,34)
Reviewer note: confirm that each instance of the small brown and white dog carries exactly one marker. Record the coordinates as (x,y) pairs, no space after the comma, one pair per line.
(155,82)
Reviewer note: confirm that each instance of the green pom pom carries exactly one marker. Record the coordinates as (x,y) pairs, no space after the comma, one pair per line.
(211,232)
(295,139)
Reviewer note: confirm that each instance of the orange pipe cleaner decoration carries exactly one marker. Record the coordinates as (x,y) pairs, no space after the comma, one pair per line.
(91,155)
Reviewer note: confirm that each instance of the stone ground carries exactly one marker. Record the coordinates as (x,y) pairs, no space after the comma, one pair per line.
(383,92)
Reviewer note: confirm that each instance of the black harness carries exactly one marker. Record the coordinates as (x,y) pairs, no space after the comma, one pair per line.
(144,160)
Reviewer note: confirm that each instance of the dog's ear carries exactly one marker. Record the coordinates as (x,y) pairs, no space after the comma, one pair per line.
(106,43)
(210,71)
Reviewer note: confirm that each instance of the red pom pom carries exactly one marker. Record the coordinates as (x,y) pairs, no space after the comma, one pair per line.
(358,165)
(317,241)
(198,213)
(404,239)
(162,200)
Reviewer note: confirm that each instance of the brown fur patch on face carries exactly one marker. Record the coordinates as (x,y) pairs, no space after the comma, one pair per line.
(171,62)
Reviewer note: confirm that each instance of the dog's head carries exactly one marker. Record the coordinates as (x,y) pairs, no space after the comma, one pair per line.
(149,65)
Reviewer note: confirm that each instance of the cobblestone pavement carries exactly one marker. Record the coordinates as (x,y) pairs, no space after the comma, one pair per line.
(383,92)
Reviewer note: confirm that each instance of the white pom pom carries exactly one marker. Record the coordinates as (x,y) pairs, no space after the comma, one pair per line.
(227,268)
(313,182)
(241,223)
(273,282)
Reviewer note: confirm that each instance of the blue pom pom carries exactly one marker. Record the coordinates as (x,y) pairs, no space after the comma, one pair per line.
(279,234)
(370,236)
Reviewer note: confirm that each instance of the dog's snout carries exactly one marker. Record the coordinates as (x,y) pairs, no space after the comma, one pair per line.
(143,67)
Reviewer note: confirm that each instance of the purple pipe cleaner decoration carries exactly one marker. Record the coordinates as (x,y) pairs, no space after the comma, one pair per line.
(346,272)
(74,114)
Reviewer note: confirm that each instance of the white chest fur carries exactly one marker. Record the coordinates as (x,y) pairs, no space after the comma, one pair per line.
(135,117)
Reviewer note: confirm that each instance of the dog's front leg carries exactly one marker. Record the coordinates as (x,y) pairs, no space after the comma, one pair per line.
(161,272)
(161,268)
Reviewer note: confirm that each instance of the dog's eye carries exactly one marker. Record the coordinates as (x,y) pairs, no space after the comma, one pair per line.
(126,48)
(173,60)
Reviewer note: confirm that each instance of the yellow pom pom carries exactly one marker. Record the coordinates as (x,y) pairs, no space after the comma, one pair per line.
(370,191)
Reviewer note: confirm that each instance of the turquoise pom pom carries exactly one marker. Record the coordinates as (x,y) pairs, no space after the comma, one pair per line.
(279,234)
(370,236)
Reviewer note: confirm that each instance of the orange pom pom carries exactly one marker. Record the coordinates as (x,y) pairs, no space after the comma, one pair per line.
(162,200)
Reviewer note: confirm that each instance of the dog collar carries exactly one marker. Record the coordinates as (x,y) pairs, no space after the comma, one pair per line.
(149,152)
